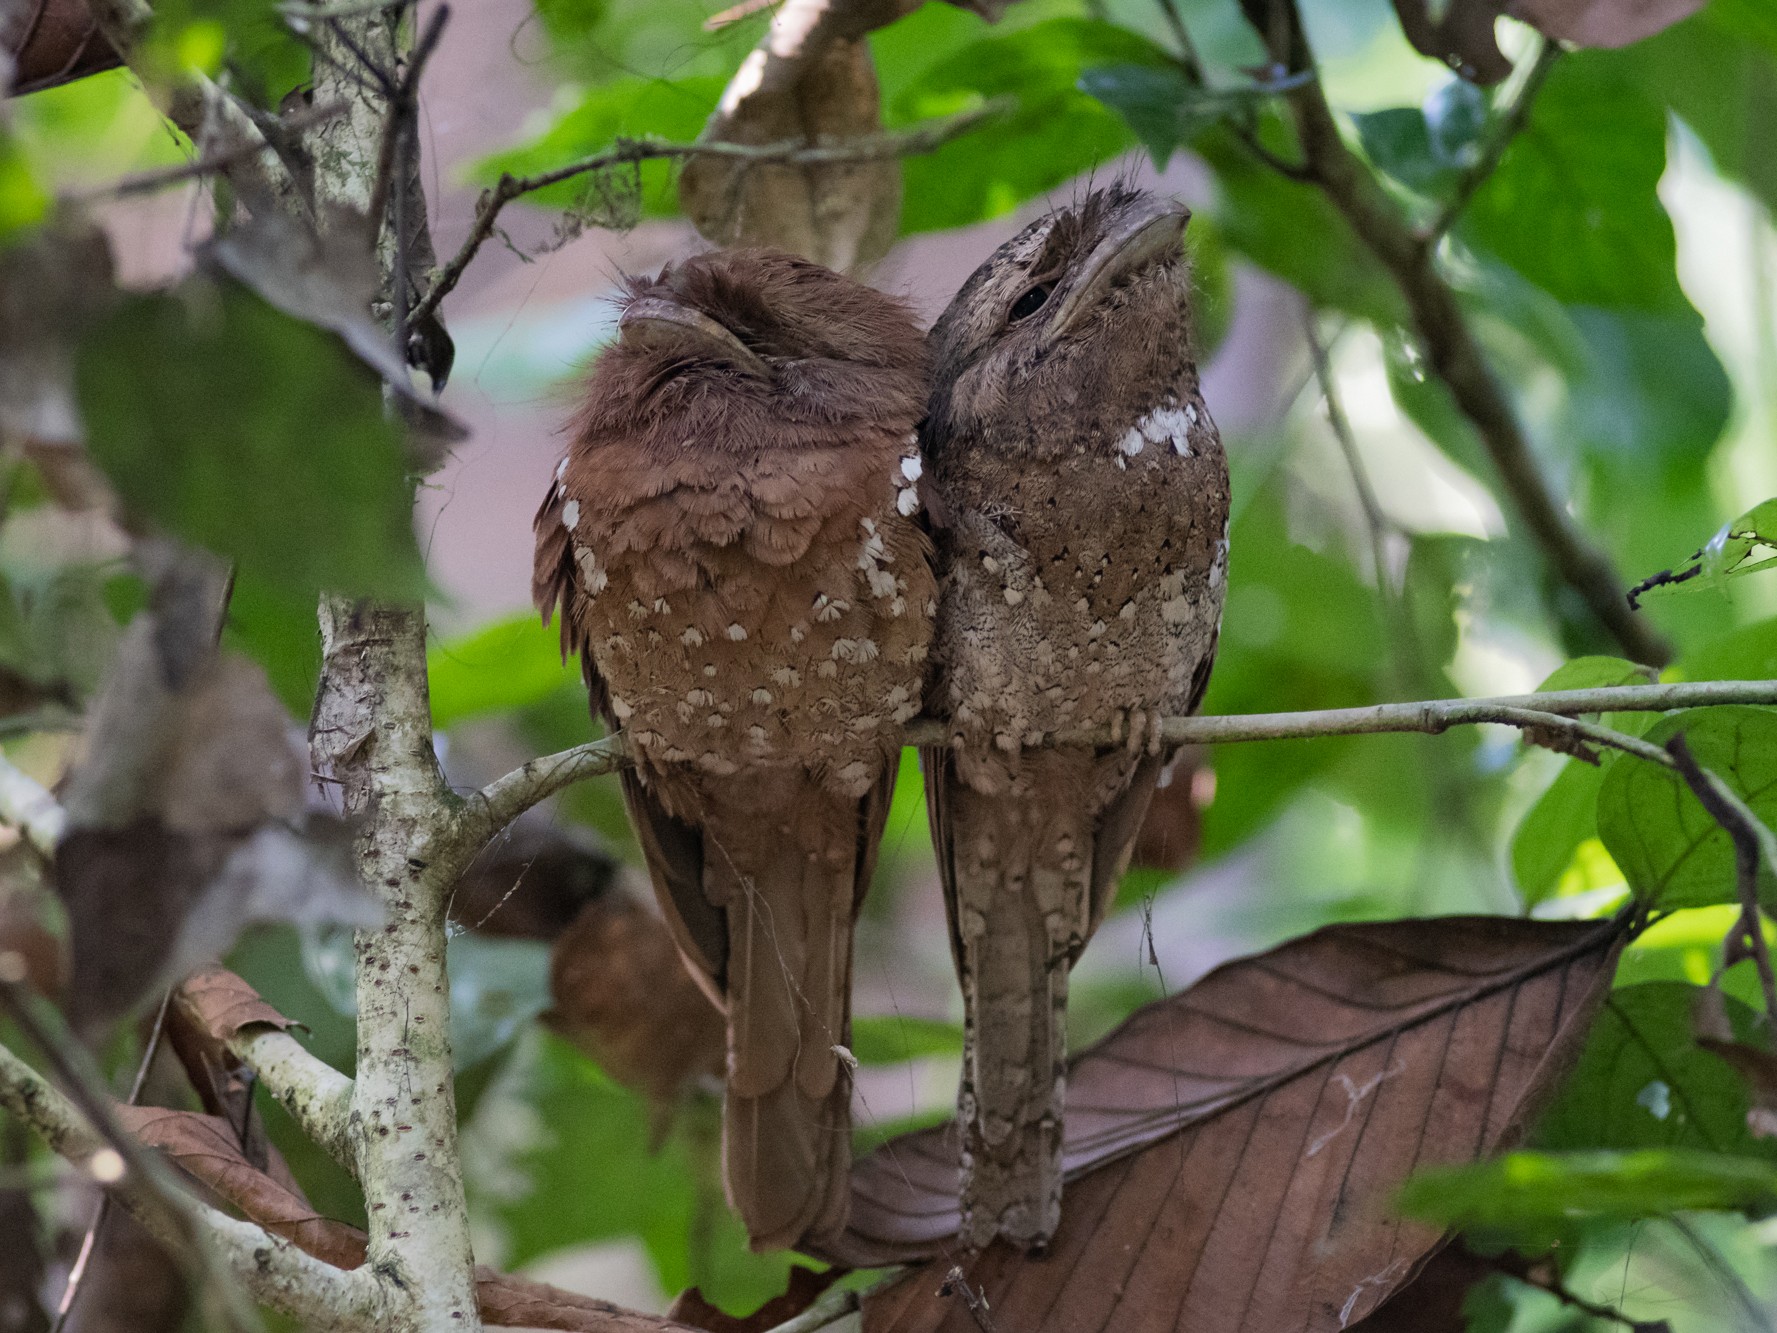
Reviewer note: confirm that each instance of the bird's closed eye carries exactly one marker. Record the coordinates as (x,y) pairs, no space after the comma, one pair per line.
(1029,303)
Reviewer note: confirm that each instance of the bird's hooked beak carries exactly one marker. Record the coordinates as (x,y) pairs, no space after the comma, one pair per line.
(1144,232)
(658,322)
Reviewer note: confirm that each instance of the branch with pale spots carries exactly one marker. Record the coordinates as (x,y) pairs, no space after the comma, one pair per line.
(1551,715)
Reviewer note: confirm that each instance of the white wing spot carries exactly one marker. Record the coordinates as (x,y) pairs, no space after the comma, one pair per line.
(570,515)
(737,633)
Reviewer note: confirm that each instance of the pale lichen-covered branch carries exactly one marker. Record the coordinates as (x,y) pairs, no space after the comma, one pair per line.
(504,799)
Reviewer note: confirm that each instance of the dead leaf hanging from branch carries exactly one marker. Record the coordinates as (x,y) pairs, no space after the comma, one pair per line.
(1233,1151)
(1460,33)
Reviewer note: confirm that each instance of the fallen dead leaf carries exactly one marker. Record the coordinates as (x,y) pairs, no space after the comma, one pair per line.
(1232,1151)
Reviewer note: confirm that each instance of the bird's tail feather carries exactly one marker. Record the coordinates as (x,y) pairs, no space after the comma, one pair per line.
(787,1125)
(1028,874)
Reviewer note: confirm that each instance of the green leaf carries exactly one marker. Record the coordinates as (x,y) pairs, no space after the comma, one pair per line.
(1426,148)
(571,20)
(672,110)
(1539,1200)
(276,627)
(251,433)
(1398,140)
(23,202)
(1160,104)
(1564,816)
(1573,204)
(511,663)
(1054,133)
(1299,632)
(1643,1082)
(1672,853)
(1718,72)
(891,1039)
(1747,653)
(1724,556)
(1289,229)
(582,1167)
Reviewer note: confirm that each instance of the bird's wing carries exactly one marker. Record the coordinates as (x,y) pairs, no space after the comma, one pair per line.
(555,584)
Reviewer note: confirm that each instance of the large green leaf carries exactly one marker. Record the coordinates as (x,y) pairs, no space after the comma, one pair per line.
(1300,631)
(1291,230)
(1643,1082)
(1718,71)
(251,433)
(1540,1200)
(512,663)
(583,1168)
(1573,204)
(1565,815)
(1672,853)
(1054,133)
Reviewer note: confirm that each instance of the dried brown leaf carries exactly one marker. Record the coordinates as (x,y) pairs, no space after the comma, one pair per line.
(53,41)
(515,1302)
(622,995)
(803,1290)
(223,1004)
(1602,22)
(1460,32)
(1233,1150)
(205,1147)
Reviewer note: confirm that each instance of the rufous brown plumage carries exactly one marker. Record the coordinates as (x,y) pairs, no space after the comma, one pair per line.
(1082,561)
(731,544)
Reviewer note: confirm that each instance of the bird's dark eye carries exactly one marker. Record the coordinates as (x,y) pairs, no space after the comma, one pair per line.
(1029,303)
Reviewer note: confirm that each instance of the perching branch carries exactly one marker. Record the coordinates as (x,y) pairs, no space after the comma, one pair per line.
(488,811)
(1449,342)
(318,1096)
(925,138)
(1751,839)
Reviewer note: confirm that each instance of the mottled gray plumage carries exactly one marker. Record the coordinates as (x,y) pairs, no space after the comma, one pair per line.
(1082,561)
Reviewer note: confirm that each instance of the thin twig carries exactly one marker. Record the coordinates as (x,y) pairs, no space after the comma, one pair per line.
(1484,166)
(1449,341)
(489,810)
(403,108)
(924,138)
(1573,1300)
(77,1272)
(1748,835)
(146,182)
(834,1304)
